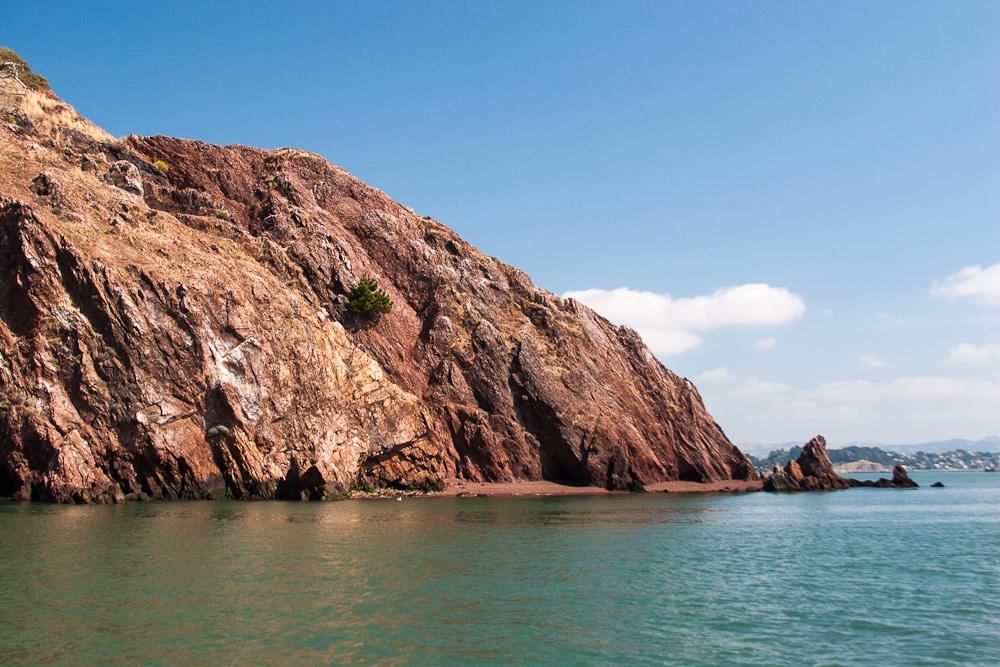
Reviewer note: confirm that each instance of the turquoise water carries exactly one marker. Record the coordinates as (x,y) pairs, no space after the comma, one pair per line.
(865,576)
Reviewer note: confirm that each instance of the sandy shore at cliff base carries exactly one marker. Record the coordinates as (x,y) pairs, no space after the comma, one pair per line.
(464,488)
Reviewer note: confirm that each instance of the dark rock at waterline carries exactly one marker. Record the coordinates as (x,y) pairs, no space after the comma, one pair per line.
(621,476)
(781,480)
(937,485)
(900,480)
(298,485)
(789,478)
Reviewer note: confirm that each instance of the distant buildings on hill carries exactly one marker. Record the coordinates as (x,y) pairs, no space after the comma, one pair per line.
(874,459)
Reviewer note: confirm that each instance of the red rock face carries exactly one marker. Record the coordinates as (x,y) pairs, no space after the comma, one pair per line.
(817,468)
(195,340)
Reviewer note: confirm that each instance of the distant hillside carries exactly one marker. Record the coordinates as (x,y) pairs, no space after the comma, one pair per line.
(859,466)
(989,444)
(846,455)
(843,458)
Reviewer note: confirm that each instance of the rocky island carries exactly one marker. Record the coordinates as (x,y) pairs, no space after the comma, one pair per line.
(812,471)
(176,321)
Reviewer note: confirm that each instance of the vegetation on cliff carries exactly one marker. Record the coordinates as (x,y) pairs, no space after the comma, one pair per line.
(11,64)
(369,300)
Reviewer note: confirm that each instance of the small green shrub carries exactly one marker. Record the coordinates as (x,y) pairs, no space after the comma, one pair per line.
(368,299)
(34,81)
(162,166)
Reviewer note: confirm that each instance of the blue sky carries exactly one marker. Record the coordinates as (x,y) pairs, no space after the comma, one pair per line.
(788,199)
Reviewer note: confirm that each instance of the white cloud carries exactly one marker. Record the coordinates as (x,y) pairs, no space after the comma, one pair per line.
(717,376)
(907,409)
(846,390)
(974,283)
(911,388)
(974,354)
(669,325)
(666,341)
(871,361)
(963,389)
(743,388)
(752,388)
(766,343)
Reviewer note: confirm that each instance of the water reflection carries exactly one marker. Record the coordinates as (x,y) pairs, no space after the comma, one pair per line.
(648,579)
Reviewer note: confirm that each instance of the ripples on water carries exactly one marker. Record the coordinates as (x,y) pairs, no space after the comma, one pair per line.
(866,576)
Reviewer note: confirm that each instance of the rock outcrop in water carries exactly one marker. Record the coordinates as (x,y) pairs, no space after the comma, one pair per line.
(812,471)
(900,480)
(174,322)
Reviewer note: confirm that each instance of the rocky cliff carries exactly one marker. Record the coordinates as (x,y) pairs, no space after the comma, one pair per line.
(174,322)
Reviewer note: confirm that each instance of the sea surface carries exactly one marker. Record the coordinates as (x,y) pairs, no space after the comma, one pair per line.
(857,577)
